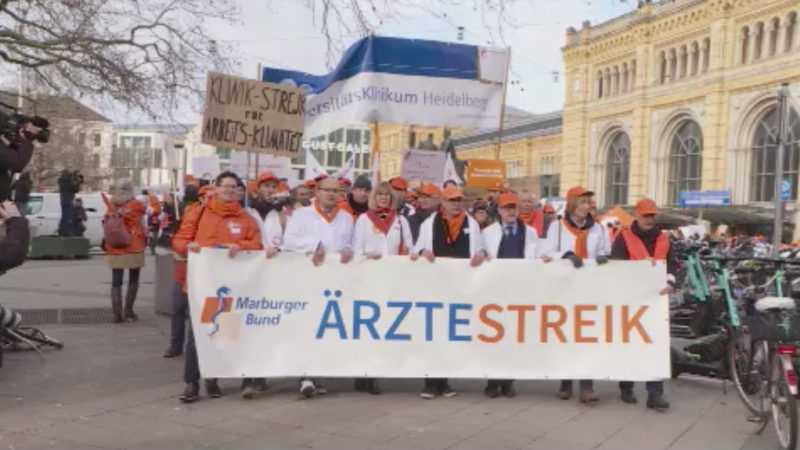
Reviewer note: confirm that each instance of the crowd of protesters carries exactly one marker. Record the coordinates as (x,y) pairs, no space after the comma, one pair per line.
(329,217)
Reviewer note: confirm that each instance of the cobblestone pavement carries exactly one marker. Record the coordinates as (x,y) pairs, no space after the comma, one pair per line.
(110,388)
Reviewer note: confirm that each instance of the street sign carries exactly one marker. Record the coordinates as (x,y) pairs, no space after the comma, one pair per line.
(705,198)
(786,189)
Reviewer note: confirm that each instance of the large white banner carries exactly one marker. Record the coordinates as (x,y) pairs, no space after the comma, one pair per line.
(513,319)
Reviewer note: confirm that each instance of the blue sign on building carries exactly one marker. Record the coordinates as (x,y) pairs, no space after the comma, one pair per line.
(786,189)
(705,198)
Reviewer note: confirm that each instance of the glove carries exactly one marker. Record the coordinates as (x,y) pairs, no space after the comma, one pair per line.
(602,259)
(576,261)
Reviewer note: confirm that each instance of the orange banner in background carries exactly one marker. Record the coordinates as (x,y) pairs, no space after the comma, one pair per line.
(485,173)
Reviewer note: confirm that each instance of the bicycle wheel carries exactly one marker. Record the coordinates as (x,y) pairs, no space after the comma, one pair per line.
(747,372)
(784,406)
(36,335)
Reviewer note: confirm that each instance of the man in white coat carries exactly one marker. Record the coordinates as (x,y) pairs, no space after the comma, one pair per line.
(509,238)
(318,230)
(267,211)
(450,233)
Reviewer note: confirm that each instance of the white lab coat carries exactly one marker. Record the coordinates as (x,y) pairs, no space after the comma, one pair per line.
(597,242)
(493,234)
(306,229)
(270,228)
(425,239)
(367,238)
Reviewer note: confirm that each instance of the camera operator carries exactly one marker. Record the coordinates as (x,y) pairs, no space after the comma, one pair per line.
(14,156)
(69,184)
(14,246)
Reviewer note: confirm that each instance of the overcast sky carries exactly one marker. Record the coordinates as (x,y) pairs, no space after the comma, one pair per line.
(282,33)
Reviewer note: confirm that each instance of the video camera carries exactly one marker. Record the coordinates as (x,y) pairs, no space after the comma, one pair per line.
(11,123)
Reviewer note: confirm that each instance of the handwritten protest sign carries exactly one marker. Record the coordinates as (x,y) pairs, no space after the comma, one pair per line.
(253,115)
(423,165)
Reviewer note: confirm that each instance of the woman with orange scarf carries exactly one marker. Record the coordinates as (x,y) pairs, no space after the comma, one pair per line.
(378,232)
(576,237)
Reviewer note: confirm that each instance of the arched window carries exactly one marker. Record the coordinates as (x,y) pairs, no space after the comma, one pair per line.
(791,26)
(617,168)
(673,64)
(745,44)
(706,52)
(758,40)
(684,64)
(695,58)
(662,72)
(607,83)
(685,160)
(633,75)
(765,154)
(599,84)
(624,82)
(774,29)
(615,77)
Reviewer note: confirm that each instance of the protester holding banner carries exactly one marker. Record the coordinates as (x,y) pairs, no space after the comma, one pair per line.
(509,238)
(221,222)
(192,206)
(267,211)
(448,233)
(577,237)
(381,231)
(121,256)
(428,198)
(645,240)
(317,230)
(400,186)
(356,202)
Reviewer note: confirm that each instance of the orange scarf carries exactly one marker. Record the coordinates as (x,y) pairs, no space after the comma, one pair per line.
(382,218)
(580,237)
(223,209)
(328,217)
(453,226)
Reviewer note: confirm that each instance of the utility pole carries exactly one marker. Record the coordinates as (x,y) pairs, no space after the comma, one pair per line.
(783,118)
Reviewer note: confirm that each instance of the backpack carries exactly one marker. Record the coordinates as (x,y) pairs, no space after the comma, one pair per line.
(115,233)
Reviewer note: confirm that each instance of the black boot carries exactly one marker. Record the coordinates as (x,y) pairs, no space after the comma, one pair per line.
(116,305)
(130,298)
(372,386)
(507,389)
(565,391)
(657,402)
(626,395)
(491,389)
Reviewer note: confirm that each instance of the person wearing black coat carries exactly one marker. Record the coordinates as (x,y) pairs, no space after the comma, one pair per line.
(14,246)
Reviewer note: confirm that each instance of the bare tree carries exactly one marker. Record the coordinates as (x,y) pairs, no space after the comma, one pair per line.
(69,148)
(150,55)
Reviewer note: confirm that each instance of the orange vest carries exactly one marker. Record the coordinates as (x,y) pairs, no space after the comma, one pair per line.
(637,250)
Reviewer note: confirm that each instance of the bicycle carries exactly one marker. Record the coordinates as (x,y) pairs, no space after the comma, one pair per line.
(776,334)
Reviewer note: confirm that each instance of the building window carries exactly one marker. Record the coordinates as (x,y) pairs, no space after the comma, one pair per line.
(224,153)
(685,160)
(514,168)
(758,41)
(633,75)
(684,64)
(157,157)
(412,140)
(617,169)
(791,26)
(695,58)
(765,154)
(745,44)
(81,138)
(662,69)
(774,29)
(706,52)
(625,79)
(334,154)
(616,80)
(97,140)
(599,84)
(673,65)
